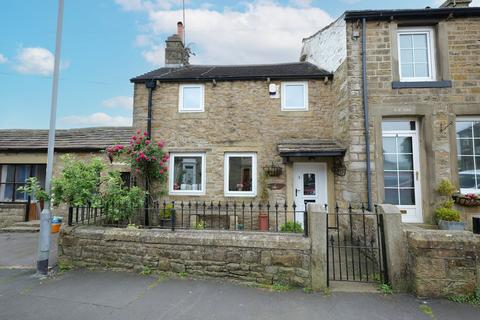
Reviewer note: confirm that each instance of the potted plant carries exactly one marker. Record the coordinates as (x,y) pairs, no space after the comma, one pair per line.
(263,216)
(447,217)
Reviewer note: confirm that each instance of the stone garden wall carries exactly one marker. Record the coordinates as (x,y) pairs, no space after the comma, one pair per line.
(11,213)
(443,263)
(245,256)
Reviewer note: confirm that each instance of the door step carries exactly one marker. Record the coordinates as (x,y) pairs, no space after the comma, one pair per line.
(28,226)
(353,287)
(20,229)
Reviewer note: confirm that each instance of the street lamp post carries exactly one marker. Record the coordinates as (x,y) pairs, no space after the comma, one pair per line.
(45,222)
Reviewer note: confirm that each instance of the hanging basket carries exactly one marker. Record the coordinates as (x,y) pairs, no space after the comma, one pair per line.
(465,201)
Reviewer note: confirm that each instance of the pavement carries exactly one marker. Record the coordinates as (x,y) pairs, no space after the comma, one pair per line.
(18,250)
(88,294)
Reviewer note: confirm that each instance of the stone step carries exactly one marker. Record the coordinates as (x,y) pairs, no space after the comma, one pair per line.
(20,229)
(33,223)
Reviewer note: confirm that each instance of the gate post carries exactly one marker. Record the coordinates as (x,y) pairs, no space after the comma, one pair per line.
(395,247)
(317,227)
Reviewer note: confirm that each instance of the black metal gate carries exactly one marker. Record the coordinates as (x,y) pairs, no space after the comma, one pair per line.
(356,246)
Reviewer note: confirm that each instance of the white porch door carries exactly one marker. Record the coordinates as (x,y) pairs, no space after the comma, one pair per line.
(401,172)
(309,185)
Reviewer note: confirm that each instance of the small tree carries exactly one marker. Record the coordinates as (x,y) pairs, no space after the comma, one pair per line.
(79,182)
(445,210)
(32,187)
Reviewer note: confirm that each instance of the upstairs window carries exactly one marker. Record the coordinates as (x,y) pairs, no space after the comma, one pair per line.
(294,96)
(191,98)
(416,55)
(240,174)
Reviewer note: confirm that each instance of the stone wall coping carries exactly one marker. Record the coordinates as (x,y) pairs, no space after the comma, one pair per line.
(442,239)
(264,240)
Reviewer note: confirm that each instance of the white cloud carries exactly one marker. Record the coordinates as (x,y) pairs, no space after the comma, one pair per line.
(155,55)
(95,119)
(265,32)
(3,59)
(301,3)
(123,102)
(146,5)
(35,61)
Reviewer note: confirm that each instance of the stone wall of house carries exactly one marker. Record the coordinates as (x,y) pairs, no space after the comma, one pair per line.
(247,257)
(443,263)
(11,213)
(239,117)
(435,108)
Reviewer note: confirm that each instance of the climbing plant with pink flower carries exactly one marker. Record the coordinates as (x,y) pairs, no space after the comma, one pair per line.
(146,157)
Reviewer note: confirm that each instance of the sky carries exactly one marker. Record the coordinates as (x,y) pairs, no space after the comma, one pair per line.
(107,42)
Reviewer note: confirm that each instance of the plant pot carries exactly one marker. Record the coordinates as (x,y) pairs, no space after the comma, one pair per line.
(466,202)
(451,225)
(56,227)
(263,222)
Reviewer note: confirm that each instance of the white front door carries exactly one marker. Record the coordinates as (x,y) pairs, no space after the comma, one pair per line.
(401,168)
(309,185)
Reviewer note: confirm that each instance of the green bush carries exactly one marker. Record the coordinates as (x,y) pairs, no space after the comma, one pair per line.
(166,212)
(447,214)
(291,226)
(79,182)
(121,202)
(446,188)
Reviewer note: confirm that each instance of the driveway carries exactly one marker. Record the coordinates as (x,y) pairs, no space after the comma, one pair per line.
(19,250)
(82,294)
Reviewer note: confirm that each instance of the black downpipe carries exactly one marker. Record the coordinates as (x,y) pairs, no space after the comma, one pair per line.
(150,84)
(366,113)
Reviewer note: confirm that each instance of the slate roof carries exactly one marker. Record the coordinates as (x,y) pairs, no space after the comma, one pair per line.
(412,13)
(310,148)
(294,70)
(83,139)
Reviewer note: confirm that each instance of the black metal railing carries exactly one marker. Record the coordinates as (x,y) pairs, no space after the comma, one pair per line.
(356,245)
(200,215)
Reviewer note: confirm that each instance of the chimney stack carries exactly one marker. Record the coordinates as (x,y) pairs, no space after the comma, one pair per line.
(456,4)
(175,53)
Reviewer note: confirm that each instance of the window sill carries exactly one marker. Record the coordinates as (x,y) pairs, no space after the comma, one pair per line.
(421,84)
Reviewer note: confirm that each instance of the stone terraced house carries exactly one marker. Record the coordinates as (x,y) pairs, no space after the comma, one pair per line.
(23,154)
(298,130)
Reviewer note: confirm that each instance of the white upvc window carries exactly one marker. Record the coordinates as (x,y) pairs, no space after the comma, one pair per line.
(191,98)
(240,174)
(294,96)
(187,174)
(468,154)
(416,54)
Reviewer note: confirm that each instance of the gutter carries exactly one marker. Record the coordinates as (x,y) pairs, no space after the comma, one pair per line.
(237,78)
(412,13)
(366,113)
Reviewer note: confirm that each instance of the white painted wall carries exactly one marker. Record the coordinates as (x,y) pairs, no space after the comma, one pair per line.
(327,49)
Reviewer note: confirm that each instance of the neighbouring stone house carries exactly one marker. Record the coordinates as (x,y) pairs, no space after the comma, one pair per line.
(23,154)
(304,122)
(422,94)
